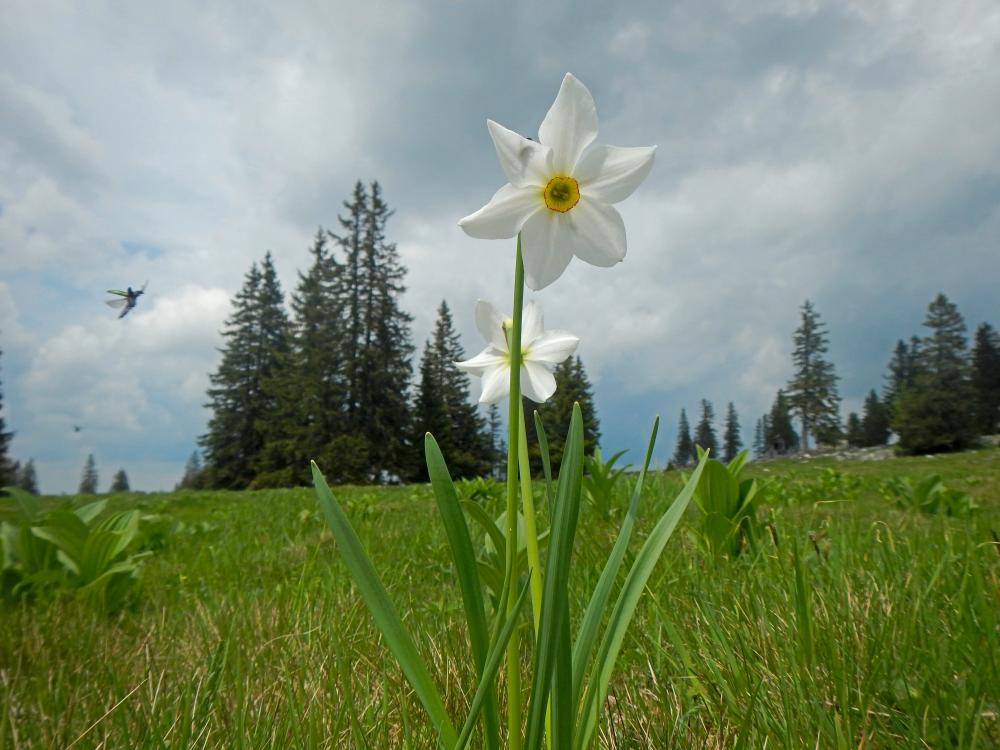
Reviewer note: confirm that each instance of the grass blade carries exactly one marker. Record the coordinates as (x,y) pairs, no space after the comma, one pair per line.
(468,572)
(587,635)
(484,692)
(624,609)
(383,611)
(555,599)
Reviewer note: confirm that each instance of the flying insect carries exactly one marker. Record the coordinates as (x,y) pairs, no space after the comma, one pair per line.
(125,300)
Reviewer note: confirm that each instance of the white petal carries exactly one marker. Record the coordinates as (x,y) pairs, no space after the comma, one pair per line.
(525,162)
(597,233)
(570,125)
(504,215)
(545,247)
(496,385)
(610,173)
(489,321)
(537,383)
(531,322)
(552,347)
(487,358)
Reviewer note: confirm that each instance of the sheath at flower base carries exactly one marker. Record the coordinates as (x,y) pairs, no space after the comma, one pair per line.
(561,189)
(541,351)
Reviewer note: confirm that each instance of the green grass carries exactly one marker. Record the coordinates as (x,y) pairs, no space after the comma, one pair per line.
(865,626)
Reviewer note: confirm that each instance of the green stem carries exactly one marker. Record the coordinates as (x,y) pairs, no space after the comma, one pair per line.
(513,420)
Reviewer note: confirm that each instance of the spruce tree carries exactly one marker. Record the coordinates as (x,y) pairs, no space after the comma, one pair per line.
(855,438)
(760,448)
(256,337)
(731,440)
(986,379)
(572,386)
(28,480)
(377,348)
(812,391)
(192,473)
(8,476)
(899,376)
(874,423)
(308,385)
(443,408)
(936,413)
(88,477)
(498,447)
(120,482)
(684,453)
(704,433)
(780,437)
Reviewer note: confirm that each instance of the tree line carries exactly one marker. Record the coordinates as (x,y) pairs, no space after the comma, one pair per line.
(938,395)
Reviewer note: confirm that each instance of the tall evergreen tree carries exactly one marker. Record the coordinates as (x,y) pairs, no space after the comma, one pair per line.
(900,374)
(936,413)
(377,347)
(780,436)
(812,391)
(731,440)
(8,475)
(855,438)
(760,446)
(704,433)
(88,477)
(256,337)
(572,386)
(120,482)
(498,448)
(28,480)
(874,423)
(308,385)
(443,407)
(192,473)
(986,379)
(684,453)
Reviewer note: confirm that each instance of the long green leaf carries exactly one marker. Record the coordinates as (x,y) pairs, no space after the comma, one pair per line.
(382,609)
(628,598)
(555,599)
(484,692)
(468,575)
(543,450)
(591,623)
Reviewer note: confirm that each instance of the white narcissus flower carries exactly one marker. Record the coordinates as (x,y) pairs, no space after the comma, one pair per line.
(561,189)
(541,351)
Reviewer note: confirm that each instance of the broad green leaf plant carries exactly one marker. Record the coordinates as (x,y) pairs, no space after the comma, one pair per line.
(557,204)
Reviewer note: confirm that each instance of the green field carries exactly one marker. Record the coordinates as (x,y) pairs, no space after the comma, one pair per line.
(247,632)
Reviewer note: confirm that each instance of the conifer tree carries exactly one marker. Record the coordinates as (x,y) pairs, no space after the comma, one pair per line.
(684,453)
(731,440)
(780,437)
(812,391)
(498,447)
(308,384)
(7,473)
(443,408)
(986,379)
(874,422)
(855,438)
(28,480)
(377,348)
(900,374)
(936,413)
(192,473)
(120,482)
(572,385)
(704,433)
(256,337)
(88,477)
(759,438)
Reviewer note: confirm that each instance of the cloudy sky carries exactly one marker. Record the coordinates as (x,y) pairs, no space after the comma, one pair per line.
(845,152)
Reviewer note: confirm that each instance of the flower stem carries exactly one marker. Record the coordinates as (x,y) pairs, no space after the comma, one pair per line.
(513,420)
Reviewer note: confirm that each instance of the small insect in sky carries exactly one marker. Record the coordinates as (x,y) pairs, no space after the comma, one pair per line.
(77,428)
(125,300)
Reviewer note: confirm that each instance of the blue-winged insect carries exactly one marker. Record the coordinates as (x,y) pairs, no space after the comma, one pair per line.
(125,300)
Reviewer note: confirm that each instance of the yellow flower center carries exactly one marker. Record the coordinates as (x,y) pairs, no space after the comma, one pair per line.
(561,193)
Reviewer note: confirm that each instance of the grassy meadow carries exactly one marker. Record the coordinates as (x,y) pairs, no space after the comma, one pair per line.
(854,624)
